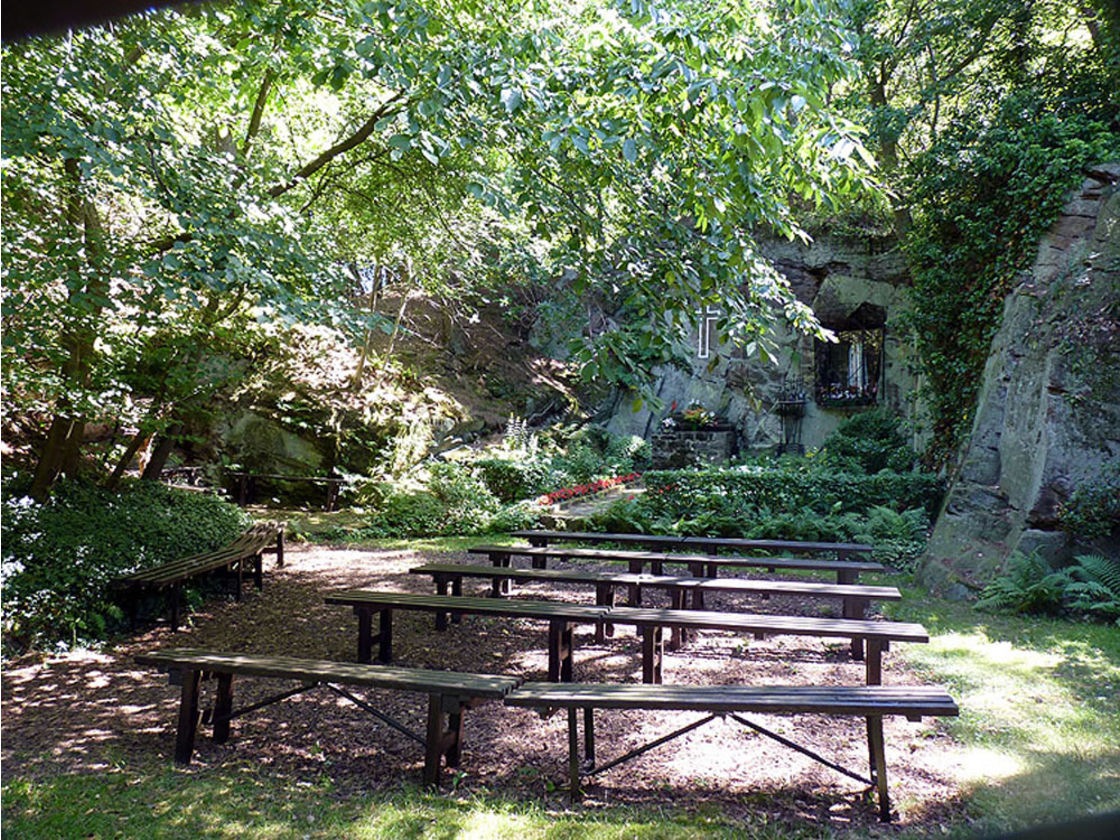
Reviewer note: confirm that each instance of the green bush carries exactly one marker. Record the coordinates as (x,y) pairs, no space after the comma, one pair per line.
(869,442)
(679,493)
(60,558)
(1093,510)
(1090,587)
(512,480)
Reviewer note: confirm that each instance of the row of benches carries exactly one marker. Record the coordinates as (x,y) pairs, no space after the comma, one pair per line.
(450,694)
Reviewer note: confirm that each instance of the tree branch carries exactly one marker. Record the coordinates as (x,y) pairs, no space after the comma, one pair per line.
(354,140)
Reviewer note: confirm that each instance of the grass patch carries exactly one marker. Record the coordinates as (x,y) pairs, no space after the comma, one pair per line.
(1039,727)
(241,801)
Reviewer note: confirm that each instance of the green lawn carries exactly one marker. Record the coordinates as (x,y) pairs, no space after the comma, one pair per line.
(1038,740)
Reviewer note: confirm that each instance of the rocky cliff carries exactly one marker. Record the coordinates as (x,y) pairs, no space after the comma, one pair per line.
(1048,416)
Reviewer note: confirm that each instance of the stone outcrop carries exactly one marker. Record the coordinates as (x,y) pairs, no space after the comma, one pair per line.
(1048,415)
(838,275)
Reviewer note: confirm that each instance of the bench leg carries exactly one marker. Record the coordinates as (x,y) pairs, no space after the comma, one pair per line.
(441,589)
(385,638)
(573,754)
(589,736)
(223,706)
(365,635)
(280,549)
(560,642)
(258,571)
(878,757)
(457,591)
(502,560)
(856,608)
(188,717)
(653,650)
(176,606)
(874,663)
(697,570)
(240,579)
(604,597)
(442,742)
(634,592)
(540,562)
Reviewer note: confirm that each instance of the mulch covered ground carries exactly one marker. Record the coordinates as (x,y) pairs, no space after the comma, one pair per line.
(87,711)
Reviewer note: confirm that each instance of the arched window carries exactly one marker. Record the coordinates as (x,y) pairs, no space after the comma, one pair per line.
(849,371)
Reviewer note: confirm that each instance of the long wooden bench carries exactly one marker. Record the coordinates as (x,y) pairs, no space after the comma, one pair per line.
(733,701)
(242,556)
(652,622)
(561,618)
(699,565)
(683,591)
(450,694)
(711,545)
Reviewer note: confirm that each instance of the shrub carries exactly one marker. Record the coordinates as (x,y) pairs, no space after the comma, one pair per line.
(869,442)
(1093,586)
(60,558)
(513,480)
(1029,586)
(1093,510)
(677,493)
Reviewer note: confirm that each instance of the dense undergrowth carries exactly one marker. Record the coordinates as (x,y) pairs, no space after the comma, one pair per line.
(60,558)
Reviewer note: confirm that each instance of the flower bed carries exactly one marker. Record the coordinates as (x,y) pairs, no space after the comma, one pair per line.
(574,492)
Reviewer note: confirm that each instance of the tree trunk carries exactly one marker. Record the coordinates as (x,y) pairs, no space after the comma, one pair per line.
(161,452)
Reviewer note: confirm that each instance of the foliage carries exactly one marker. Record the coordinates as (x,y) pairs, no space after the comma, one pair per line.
(60,558)
(982,197)
(1091,586)
(678,492)
(179,180)
(1030,585)
(899,537)
(1093,509)
(869,442)
(511,480)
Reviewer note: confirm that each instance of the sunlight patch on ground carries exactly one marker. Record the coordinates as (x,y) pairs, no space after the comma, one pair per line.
(979,764)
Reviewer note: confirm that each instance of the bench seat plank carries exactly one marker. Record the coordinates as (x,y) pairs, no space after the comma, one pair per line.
(464,604)
(543,537)
(751,586)
(660,557)
(771,624)
(349,673)
(860,700)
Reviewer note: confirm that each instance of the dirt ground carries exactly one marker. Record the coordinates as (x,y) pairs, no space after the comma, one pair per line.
(86,711)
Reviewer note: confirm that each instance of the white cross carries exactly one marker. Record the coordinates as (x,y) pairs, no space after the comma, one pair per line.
(707,317)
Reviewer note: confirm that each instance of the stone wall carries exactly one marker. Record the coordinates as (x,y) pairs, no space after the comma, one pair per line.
(678,448)
(1048,415)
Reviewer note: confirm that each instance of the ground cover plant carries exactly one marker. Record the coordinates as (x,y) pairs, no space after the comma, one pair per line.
(1036,741)
(60,557)
(861,487)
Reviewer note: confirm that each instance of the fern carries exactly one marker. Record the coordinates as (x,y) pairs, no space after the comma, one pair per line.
(1030,586)
(1094,586)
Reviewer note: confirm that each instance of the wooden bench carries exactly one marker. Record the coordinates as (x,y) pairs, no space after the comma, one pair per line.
(651,622)
(247,485)
(561,618)
(733,701)
(449,693)
(683,591)
(243,555)
(710,545)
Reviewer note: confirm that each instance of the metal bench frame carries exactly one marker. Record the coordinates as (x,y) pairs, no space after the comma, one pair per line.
(871,702)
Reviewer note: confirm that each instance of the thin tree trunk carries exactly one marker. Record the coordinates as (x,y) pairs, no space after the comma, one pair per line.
(130,451)
(161,452)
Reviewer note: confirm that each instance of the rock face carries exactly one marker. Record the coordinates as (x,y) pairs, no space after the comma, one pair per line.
(1048,416)
(846,280)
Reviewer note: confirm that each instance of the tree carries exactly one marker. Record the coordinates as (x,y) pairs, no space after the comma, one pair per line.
(176,178)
